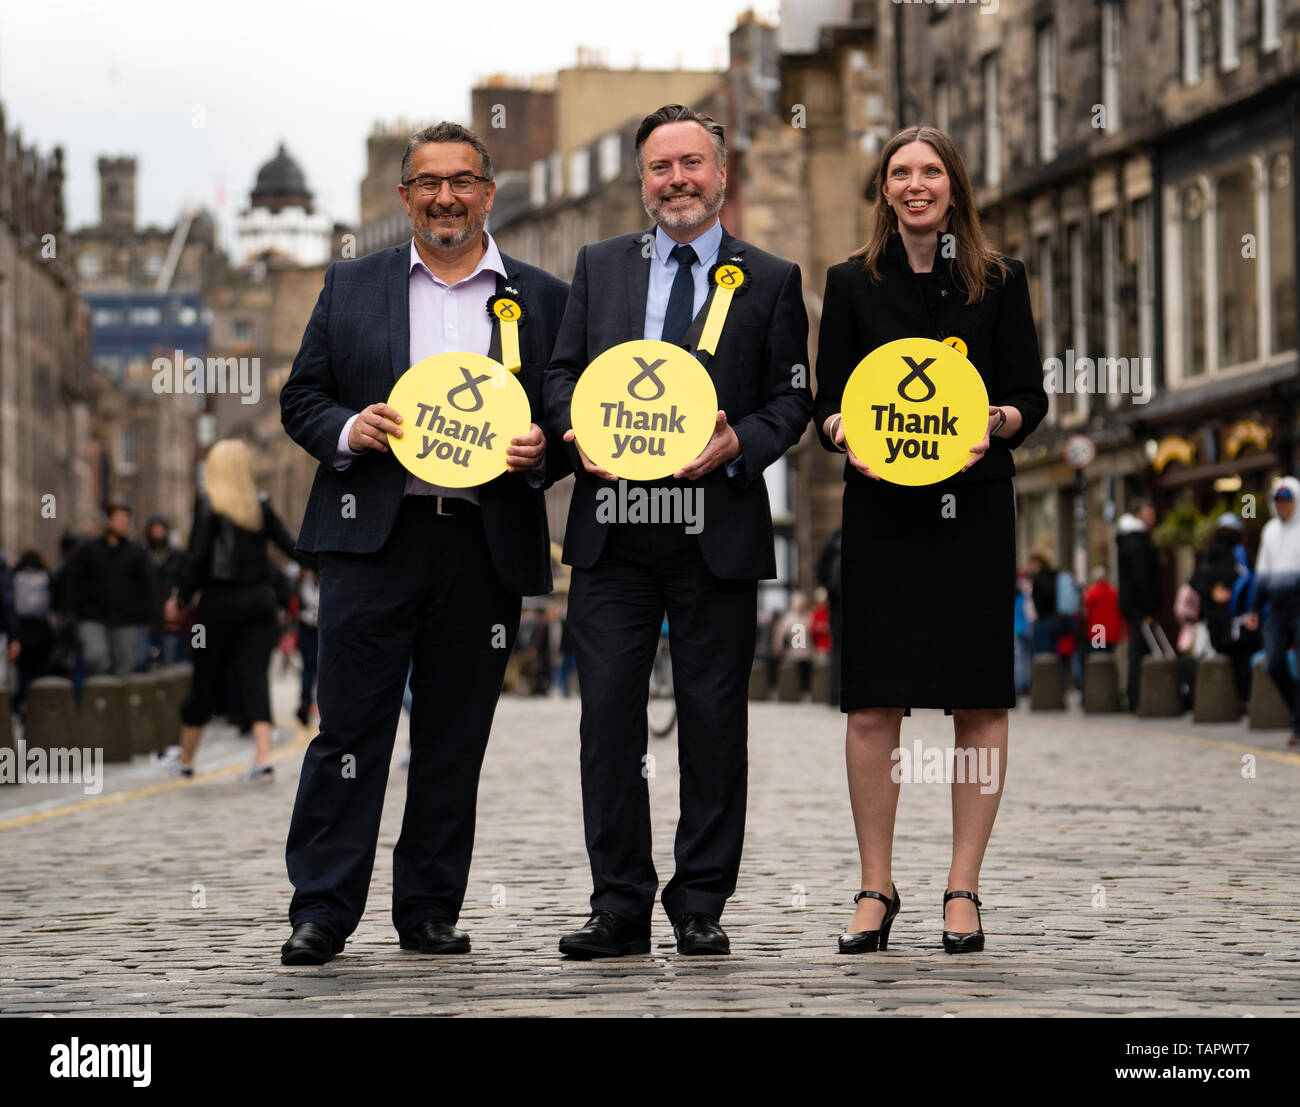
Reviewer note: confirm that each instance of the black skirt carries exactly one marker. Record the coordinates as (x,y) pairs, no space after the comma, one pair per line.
(929,595)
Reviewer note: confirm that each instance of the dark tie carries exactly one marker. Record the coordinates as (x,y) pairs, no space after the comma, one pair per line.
(681,301)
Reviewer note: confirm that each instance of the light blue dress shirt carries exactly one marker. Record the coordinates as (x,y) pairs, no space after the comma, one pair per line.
(663,271)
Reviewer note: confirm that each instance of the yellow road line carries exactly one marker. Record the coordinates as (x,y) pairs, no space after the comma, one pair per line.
(1285,756)
(299,742)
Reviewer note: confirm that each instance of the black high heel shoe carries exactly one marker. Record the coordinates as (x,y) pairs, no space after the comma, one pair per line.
(971,942)
(868,941)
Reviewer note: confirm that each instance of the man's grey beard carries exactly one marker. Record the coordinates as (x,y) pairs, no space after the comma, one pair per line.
(674,221)
(430,237)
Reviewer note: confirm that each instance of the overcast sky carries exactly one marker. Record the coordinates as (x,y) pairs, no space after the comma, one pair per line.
(134,76)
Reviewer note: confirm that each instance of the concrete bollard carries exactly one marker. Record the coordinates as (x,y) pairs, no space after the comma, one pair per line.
(1046,691)
(104,721)
(789,688)
(758,682)
(1268,710)
(1100,684)
(1215,696)
(51,714)
(7,736)
(821,679)
(1158,694)
(141,718)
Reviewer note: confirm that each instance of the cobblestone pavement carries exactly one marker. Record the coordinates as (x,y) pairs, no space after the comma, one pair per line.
(1136,869)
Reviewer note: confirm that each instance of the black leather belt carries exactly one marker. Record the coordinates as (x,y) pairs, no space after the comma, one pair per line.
(446,505)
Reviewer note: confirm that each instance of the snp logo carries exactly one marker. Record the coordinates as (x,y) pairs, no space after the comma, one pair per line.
(114,1062)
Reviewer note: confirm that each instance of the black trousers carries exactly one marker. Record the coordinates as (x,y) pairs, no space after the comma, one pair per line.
(616,610)
(239,636)
(430,598)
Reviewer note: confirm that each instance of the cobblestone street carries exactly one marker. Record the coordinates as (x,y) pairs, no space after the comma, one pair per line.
(1133,870)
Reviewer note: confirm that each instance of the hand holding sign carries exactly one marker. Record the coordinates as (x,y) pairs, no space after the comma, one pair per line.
(371,428)
(722,447)
(643,410)
(461,410)
(915,410)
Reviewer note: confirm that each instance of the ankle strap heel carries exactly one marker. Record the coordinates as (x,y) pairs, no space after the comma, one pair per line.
(972,941)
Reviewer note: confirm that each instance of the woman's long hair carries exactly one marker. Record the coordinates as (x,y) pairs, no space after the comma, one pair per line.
(974,257)
(228,480)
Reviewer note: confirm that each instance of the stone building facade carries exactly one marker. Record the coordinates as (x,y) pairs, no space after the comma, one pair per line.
(47,457)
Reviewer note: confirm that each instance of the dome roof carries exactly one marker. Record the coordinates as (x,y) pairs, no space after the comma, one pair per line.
(280,177)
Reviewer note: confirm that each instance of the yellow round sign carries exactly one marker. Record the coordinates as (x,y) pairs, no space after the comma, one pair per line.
(913,409)
(644,409)
(459,412)
(957,343)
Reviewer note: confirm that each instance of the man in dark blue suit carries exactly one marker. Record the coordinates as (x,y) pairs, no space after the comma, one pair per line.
(410,572)
(702,575)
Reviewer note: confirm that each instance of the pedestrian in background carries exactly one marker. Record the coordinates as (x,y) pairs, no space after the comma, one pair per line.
(792,639)
(1103,626)
(162,641)
(1042,590)
(1139,585)
(308,640)
(33,605)
(108,588)
(227,566)
(8,621)
(1277,585)
(828,576)
(1022,626)
(1215,580)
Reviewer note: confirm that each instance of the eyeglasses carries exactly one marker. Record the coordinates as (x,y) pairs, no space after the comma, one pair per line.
(462,184)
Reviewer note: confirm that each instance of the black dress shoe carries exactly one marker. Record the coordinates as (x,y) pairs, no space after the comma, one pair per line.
(868,941)
(432,936)
(700,934)
(309,944)
(972,941)
(607,935)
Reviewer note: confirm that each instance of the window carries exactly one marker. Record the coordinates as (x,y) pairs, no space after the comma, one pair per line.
(579,172)
(992,124)
(1190,39)
(1144,230)
(1047,142)
(1238,314)
(941,107)
(126,462)
(1110,272)
(1191,212)
(610,156)
(1043,292)
(537,183)
(1111,53)
(88,266)
(153,264)
(1228,59)
(145,317)
(1280,279)
(1270,25)
(243,330)
(1230,303)
(1079,308)
(105,317)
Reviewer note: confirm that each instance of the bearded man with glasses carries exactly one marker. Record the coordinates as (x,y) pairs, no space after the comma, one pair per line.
(411,573)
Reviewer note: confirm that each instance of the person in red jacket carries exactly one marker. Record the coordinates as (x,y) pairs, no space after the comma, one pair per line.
(1103,626)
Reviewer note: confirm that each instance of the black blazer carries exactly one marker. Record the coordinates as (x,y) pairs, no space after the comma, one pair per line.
(859,314)
(755,372)
(355,347)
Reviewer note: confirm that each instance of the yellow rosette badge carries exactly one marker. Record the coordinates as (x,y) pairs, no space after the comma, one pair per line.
(913,409)
(459,413)
(643,409)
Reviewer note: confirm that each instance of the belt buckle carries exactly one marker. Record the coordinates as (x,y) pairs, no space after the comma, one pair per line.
(440,511)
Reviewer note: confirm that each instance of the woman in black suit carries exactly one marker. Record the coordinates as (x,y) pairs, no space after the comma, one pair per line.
(928,581)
